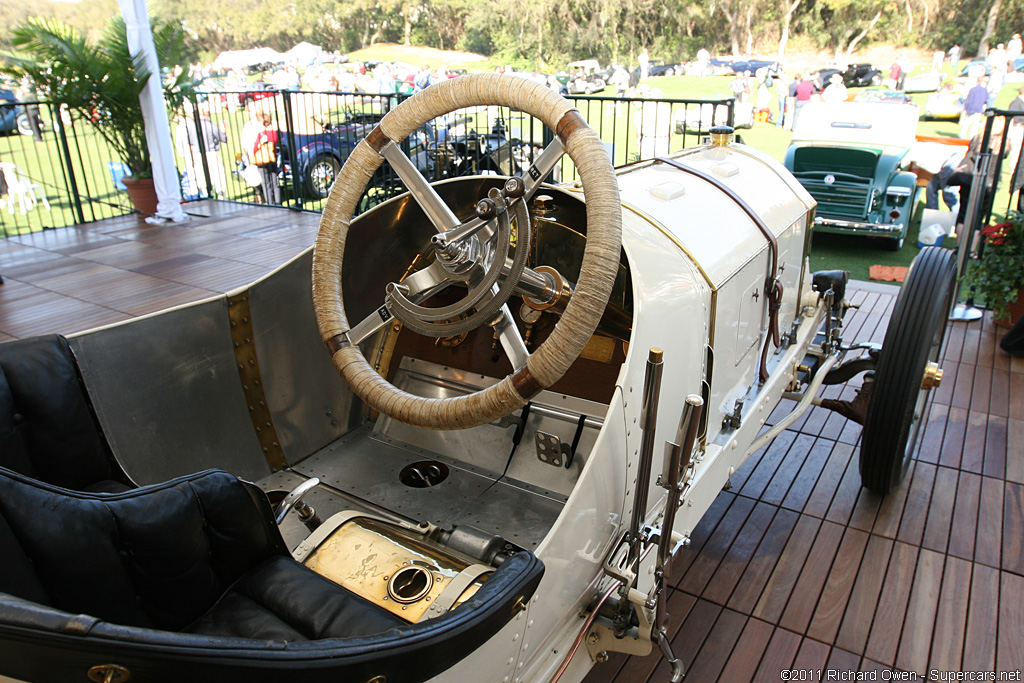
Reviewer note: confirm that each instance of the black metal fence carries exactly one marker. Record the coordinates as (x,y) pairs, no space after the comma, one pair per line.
(55,172)
(317,131)
(59,172)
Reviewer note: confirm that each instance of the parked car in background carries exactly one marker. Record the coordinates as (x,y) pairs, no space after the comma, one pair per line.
(947,103)
(663,69)
(882,95)
(854,76)
(738,66)
(13,117)
(849,156)
(582,77)
(926,81)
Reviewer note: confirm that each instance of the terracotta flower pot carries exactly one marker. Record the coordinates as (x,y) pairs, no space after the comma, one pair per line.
(1016,311)
(141,193)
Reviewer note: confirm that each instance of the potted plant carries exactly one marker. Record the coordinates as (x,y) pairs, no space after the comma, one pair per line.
(100,83)
(998,276)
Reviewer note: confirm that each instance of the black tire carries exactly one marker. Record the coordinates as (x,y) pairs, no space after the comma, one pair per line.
(913,339)
(320,175)
(894,243)
(24,127)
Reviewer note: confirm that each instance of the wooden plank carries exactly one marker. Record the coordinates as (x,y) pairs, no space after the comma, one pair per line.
(1017,389)
(932,431)
(832,604)
(995,447)
(1010,653)
(746,656)
(705,563)
(982,620)
(787,570)
(828,482)
(779,655)
(787,470)
(800,492)
(953,439)
(867,587)
(1015,450)
(773,457)
(687,643)
(965,516)
(999,397)
(1013,528)
(892,605)
(842,664)
(890,511)
(951,619)
(847,493)
(804,597)
(811,657)
(981,388)
(760,567)
(717,647)
(700,535)
(973,459)
(915,511)
(940,512)
(732,566)
(924,596)
(988,546)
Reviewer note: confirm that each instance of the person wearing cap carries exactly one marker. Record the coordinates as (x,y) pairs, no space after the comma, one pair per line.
(836,90)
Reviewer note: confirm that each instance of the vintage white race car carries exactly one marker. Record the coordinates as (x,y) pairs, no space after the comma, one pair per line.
(542,389)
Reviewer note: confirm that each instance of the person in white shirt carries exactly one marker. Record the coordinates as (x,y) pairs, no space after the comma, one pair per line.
(836,90)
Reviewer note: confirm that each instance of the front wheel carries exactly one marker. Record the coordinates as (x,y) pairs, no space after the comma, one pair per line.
(321,174)
(24,127)
(907,370)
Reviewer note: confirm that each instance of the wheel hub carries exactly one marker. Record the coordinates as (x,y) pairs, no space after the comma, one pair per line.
(932,377)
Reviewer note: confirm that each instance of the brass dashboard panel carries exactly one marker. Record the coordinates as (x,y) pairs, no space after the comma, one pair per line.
(389,566)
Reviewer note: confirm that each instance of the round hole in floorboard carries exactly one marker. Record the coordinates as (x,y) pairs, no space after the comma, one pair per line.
(423,474)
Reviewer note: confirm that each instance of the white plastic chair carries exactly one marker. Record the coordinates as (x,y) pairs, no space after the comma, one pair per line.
(24,191)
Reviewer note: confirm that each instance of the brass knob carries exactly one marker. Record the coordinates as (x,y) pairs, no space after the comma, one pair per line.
(932,376)
(108,673)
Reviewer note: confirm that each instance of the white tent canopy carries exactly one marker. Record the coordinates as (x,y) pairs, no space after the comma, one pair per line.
(239,59)
(303,53)
(154,112)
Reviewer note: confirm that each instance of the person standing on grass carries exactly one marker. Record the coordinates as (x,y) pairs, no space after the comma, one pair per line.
(645,64)
(264,155)
(803,91)
(974,106)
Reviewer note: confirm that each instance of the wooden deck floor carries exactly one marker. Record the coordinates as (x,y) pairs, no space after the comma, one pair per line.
(795,567)
(76,278)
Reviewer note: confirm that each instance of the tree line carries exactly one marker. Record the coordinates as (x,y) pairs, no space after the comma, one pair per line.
(545,34)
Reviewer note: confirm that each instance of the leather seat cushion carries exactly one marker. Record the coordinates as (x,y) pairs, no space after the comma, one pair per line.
(281,599)
(47,429)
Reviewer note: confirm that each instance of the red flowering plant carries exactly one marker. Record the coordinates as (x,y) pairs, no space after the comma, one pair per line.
(998,275)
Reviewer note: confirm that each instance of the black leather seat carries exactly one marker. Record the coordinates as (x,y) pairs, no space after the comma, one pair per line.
(47,429)
(190,580)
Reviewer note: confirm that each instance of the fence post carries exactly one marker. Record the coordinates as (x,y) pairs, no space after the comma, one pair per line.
(289,121)
(201,144)
(69,171)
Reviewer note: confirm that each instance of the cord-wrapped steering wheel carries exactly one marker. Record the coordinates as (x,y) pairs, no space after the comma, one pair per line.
(600,264)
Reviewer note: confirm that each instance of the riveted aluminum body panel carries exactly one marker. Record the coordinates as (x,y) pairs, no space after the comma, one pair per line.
(167,394)
(310,403)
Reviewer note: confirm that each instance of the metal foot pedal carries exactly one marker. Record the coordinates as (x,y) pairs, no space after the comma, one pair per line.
(550,449)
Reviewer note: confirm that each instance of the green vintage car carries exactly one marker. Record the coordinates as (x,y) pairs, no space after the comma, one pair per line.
(850,157)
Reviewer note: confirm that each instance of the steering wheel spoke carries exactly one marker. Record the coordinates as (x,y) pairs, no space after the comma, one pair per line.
(433,206)
(416,287)
(543,165)
(511,341)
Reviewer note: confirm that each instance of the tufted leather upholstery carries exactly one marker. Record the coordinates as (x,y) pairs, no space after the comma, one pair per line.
(47,430)
(189,579)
